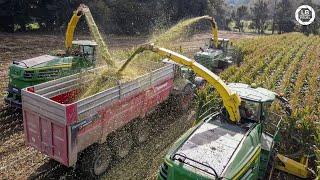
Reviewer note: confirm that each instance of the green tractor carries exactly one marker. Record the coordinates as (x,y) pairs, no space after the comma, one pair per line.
(79,55)
(48,67)
(218,149)
(218,54)
(217,59)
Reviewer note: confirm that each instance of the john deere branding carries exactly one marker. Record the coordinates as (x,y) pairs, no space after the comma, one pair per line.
(305,15)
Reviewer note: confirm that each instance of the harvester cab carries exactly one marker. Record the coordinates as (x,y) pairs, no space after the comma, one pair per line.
(217,55)
(85,49)
(255,102)
(223,44)
(216,59)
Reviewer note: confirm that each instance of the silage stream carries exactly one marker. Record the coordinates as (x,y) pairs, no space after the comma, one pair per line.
(142,63)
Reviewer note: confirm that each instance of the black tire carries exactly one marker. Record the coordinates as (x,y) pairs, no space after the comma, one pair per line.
(184,100)
(122,143)
(141,130)
(95,160)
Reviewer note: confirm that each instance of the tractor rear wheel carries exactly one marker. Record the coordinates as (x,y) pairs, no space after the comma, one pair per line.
(95,160)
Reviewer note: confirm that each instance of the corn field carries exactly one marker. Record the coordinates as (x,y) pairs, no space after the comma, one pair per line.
(289,65)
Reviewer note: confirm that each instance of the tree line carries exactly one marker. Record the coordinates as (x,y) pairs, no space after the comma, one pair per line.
(144,16)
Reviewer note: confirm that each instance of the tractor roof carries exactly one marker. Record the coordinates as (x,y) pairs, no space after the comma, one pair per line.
(223,39)
(209,52)
(85,43)
(213,144)
(35,61)
(254,94)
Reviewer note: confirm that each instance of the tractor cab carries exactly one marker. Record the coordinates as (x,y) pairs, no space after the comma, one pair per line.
(223,44)
(85,49)
(216,59)
(255,102)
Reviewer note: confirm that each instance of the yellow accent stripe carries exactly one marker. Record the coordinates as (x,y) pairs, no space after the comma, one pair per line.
(68,65)
(246,167)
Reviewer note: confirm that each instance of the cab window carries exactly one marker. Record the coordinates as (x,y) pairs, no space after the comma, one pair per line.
(87,50)
(250,110)
(266,109)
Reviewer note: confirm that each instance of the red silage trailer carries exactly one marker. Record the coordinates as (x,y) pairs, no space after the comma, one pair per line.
(61,127)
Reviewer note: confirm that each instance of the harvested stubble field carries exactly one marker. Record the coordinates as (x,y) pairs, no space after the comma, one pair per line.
(20,162)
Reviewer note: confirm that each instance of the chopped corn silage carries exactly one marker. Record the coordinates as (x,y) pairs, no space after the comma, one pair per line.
(169,38)
(110,77)
(102,46)
(176,32)
(142,64)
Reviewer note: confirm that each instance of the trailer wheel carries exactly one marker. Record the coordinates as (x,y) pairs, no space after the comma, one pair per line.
(185,99)
(122,143)
(141,130)
(95,160)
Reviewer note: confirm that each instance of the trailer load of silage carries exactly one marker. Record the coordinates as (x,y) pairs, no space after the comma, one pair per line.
(142,64)
(109,77)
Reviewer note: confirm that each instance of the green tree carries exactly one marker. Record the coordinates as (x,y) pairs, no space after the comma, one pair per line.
(217,8)
(241,14)
(260,15)
(284,16)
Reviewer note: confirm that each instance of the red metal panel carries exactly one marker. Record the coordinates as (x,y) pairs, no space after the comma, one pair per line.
(150,100)
(51,138)
(67,97)
(157,94)
(71,113)
(46,136)
(32,129)
(164,90)
(30,89)
(60,143)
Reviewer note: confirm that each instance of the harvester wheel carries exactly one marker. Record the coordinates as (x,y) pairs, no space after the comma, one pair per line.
(96,160)
(141,130)
(122,143)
